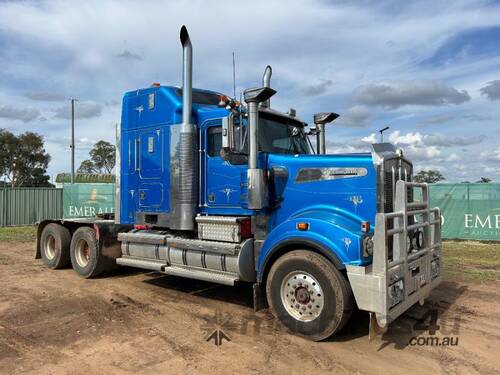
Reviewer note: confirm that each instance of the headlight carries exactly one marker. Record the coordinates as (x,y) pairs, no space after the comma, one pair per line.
(367,247)
(435,268)
(396,293)
(409,242)
(419,239)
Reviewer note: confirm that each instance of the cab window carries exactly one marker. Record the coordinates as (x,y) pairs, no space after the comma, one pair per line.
(214,140)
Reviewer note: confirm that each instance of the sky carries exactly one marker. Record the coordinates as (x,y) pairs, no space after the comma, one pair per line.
(428,69)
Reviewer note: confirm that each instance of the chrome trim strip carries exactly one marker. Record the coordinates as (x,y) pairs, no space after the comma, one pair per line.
(306,175)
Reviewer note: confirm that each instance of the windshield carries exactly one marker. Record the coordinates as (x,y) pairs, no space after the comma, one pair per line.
(280,135)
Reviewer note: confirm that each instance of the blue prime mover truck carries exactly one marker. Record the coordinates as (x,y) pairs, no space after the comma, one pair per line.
(212,189)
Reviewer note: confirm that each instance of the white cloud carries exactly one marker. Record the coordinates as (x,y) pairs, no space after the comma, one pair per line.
(21,114)
(493,155)
(356,116)
(448,141)
(453,157)
(127,55)
(491,90)
(319,88)
(45,96)
(73,48)
(372,138)
(406,139)
(83,109)
(392,95)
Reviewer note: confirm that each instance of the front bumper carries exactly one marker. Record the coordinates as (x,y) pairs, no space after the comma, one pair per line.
(399,278)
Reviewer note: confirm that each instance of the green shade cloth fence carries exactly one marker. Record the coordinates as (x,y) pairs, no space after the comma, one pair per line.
(469,211)
(25,205)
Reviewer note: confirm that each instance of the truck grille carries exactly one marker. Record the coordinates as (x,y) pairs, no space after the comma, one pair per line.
(392,174)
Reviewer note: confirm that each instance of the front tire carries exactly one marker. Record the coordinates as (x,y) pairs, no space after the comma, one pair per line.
(308,295)
(55,246)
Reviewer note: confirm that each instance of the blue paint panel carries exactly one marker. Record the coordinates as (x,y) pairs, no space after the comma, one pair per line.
(152,153)
(224,185)
(334,209)
(147,116)
(151,196)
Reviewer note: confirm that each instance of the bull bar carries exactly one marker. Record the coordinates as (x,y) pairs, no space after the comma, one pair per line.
(400,276)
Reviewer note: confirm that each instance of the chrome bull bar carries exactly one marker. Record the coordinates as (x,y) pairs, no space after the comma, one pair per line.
(404,273)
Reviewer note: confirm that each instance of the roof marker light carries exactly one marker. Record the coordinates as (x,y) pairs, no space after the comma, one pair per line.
(365,226)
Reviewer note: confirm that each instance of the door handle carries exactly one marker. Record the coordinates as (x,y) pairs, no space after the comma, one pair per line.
(137,166)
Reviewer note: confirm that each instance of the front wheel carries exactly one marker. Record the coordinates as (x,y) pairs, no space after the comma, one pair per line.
(308,295)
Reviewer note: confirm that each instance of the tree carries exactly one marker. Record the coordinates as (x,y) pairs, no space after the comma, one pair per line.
(102,159)
(38,178)
(87,166)
(430,176)
(484,180)
(23,160)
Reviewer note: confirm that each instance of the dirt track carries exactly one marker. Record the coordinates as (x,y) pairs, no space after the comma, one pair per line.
(134,322)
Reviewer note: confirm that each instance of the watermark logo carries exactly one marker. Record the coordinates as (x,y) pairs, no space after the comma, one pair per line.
(214,329)
(429,322)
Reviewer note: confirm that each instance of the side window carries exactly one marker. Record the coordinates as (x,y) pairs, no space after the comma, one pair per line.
(214,140)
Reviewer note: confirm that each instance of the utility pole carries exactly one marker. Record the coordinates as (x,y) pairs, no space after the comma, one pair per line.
(381,131)
(73,100)
(234,78)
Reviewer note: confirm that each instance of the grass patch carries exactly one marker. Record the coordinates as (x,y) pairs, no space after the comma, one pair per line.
(471,261)
(18,234)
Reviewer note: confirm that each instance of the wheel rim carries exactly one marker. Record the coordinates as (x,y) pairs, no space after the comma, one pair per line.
(82,253)
(302,296)
(50,247)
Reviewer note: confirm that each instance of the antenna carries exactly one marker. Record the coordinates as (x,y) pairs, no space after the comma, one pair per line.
(381,131)
(234,78)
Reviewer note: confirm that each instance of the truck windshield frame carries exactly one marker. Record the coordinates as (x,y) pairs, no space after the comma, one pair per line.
(282,135)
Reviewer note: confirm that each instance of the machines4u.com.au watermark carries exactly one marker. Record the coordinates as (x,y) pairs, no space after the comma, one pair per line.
(421,331)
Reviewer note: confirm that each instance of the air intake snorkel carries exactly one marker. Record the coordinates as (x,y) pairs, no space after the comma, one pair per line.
(257,183)
(320,120)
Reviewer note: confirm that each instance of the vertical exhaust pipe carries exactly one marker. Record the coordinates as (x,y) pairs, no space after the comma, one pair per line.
(266,82)
(320,120)
(187,80)
(188,181)
(257,183)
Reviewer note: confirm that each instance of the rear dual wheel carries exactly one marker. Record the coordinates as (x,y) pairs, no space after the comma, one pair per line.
(55,246)
(86,257)
(58,249)
(309,295)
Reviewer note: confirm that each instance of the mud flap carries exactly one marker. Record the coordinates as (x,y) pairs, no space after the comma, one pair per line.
(259,297)
(375,329)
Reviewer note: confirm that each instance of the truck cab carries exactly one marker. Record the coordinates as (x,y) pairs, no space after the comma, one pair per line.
(213,189)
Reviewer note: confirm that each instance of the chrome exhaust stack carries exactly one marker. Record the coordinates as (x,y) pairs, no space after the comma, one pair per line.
(188,181)
(257,182)
(320,120)
(266,82)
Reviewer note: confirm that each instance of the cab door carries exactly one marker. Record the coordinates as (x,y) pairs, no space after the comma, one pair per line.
(151,168)
(223,180)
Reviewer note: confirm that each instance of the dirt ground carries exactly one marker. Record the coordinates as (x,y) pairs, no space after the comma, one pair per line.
(55,322)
